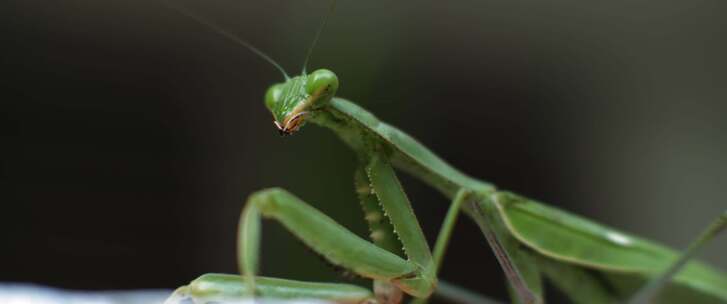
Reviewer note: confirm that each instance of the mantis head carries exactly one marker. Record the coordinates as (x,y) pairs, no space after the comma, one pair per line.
(292,101)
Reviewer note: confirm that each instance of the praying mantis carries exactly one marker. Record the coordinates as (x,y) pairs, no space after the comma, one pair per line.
(532,241)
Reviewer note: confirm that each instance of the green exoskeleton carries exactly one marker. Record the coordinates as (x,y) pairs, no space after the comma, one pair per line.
(588,262)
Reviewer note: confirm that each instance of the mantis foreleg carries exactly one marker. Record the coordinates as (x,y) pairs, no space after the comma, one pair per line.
(397,208)
(416,276)
(381,231)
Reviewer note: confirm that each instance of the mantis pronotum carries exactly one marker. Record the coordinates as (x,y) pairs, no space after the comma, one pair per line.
(588,262)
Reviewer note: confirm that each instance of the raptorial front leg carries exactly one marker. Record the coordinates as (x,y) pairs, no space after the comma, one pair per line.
(397,208)
(415,276)
(519,266)
(381,233)
(382,230)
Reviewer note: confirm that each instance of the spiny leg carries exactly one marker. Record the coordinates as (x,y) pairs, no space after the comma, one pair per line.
(653,287)
(416,276)
(381,232)
(519,266)
(397,208)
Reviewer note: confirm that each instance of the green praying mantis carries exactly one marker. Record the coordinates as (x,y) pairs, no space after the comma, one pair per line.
(532,241)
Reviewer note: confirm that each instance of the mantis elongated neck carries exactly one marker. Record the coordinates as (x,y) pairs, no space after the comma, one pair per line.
(363,132)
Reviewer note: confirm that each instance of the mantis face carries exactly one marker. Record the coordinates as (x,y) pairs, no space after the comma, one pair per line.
(292,101)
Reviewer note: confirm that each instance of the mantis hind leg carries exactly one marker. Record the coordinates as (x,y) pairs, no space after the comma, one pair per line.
(519,265)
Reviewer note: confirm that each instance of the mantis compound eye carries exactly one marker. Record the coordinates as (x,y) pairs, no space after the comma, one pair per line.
(322,84)
(273,96)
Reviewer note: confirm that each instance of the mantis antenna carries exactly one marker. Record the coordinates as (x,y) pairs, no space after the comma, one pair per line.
(227,34)
(318,34)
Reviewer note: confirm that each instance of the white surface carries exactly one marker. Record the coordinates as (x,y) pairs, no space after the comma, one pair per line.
(15,293)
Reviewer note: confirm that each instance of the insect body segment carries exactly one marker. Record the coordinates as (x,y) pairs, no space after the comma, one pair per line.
(290,102)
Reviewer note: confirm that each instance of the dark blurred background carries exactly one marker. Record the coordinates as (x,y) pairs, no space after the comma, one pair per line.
(131,135)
